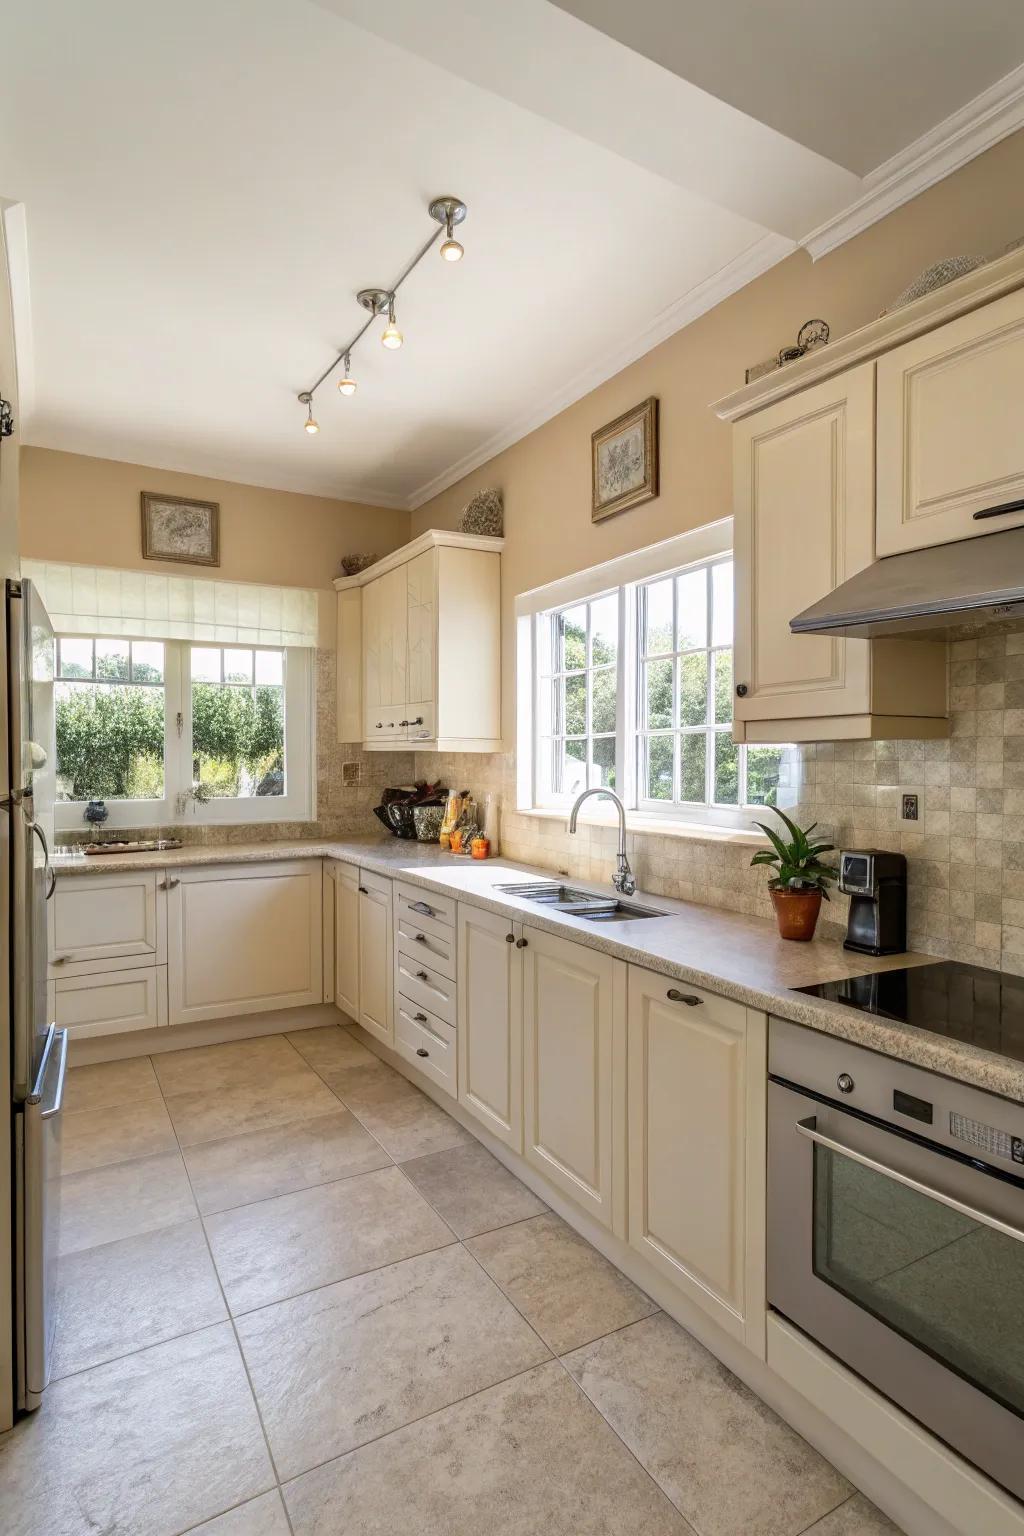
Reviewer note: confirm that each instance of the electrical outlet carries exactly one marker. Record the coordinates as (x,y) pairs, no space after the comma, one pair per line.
(910,809)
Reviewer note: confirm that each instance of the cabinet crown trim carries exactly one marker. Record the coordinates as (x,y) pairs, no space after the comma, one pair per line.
(434,538)
(993,281)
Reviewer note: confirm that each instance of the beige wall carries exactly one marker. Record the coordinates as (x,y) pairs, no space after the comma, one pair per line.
(546,476)
(86,511)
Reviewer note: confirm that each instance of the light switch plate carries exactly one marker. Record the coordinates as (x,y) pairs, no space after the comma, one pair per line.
(910,808)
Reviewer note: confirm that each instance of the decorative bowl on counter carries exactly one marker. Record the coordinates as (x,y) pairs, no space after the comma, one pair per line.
(427,820)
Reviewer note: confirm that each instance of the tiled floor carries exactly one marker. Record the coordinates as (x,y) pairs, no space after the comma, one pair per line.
(297,1297)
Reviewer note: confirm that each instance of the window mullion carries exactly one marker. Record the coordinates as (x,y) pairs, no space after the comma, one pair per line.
(177,745)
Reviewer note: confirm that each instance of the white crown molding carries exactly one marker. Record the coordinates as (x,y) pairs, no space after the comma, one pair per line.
(996,113)
(736,274)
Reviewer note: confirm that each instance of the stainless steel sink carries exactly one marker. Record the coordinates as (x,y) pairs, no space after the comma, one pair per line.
(575,903)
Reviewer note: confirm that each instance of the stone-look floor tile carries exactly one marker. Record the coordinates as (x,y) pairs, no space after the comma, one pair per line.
(726,1461)
(110,1082)
(404,1121)
(298,1242)
(348,1363)
(261,1517)
(210,1114)
(91,1138)
(122,1200)
(205,1068)
(857,1517)
(148,1446)
(124,1296)
(329,1048)
(563,1286)
(472,1190)
(530,1455)
(241,1169)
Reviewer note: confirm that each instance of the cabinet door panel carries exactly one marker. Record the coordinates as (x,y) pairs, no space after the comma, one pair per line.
(245,939)
(696,1146)
(375,971)
(107,922)
(111,1004)
(570,1019)
(373,685)
(421,629)
(346,940)
(804,522)
(394,636)
(490,1032)
(951,429)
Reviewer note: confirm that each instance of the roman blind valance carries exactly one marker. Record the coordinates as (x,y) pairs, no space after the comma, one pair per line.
(93,600)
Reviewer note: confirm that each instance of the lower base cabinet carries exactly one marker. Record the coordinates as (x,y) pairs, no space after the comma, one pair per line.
(574,1082)
(111,1003)
(346,940)
(376,969)
(697,1067)
(490,1032)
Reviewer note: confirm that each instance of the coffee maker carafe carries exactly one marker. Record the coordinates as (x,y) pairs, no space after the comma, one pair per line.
(876,883)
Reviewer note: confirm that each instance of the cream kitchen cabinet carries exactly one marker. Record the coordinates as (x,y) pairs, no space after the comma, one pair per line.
(427,646)
(329,924)
(574,1079)
(244,938)
(376,975)
(100,923)
(490,1032)
(951,431)
(697,1067)
(346,940)
(110,1003)
(804,489)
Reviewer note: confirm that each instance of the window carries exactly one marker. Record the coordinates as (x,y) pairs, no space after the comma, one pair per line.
(634,690)
(164,730)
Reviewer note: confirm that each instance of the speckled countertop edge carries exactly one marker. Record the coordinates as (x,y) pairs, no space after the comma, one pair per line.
(741,957)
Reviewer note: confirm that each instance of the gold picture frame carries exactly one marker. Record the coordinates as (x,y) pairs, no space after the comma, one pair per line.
(179,529)
(624,461)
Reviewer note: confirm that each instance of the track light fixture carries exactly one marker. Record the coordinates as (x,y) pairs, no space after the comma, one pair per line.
(447,212)
(347,385)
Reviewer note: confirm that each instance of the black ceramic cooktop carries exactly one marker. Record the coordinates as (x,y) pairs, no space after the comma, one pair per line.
(962,1002)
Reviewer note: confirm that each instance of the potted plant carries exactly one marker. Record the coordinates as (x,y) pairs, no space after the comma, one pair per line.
(802,879)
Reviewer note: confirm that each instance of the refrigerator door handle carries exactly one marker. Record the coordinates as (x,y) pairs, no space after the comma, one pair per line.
(41,1207)
(51,873)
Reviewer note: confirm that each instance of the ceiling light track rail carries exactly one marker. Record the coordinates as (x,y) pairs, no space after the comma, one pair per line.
(447,212)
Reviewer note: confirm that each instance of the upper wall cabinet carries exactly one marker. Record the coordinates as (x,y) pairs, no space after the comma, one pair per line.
(951,431)
(804,521)
(419,647)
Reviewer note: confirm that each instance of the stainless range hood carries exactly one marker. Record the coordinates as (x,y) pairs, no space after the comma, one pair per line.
(971,581)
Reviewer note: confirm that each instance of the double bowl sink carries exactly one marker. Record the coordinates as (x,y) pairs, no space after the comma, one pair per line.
(570,902)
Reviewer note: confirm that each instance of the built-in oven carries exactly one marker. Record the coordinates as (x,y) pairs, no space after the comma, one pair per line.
(896,1235)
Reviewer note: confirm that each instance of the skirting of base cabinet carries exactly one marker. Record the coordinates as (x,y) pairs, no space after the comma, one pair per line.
(697,1066)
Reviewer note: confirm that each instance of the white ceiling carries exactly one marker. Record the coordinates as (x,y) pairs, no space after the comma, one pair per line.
(202,198)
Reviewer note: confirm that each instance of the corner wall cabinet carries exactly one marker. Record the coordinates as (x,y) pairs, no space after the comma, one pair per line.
(904,434)
(421,630)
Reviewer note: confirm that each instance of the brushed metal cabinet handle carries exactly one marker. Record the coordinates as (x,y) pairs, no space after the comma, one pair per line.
(675,996)
(421,906)
(420,1018)
(1000,511)
(422,976)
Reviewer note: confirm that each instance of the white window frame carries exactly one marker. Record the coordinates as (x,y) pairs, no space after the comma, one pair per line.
(627,575)
(298,804)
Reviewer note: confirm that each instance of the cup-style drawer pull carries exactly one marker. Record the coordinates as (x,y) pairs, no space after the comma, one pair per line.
(675,996)
(1000,511)
(420,1018)
(421,1052)
(421,906)
(420,938)
(510,938)
(422,976)
(58,959)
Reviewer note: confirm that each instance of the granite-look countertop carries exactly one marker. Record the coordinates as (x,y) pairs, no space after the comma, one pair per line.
(739,957)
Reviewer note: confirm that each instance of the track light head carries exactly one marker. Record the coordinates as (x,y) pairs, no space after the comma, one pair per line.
(347,385)
(311,426)
(391,336)
(449,211)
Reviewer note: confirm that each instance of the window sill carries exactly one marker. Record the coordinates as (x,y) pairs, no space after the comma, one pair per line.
(656,826)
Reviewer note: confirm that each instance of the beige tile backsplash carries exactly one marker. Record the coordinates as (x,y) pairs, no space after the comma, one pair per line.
(965,866)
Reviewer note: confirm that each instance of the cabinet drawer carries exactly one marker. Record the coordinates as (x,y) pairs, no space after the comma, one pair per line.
(380,885)
(427,1042)
(423,984)
(434,944)
(101,923)
(424,906)
(111,1004)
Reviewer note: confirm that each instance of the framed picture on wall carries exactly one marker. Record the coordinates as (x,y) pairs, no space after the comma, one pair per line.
(624,457)
(176,528)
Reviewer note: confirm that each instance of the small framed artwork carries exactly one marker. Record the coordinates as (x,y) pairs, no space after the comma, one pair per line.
(176,528)
(625,461)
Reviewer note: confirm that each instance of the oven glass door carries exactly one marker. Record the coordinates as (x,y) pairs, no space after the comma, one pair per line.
(907,1265)
(945,1280)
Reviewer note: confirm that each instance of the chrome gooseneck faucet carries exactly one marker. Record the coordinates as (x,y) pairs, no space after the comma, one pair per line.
(623,877)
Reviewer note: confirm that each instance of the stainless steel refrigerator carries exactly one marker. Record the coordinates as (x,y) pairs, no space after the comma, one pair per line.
(38,1048)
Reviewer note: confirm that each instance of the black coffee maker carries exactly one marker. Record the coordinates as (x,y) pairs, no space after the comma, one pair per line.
(876,882)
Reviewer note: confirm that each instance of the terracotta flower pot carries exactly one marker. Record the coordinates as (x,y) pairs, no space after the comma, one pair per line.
(796,912)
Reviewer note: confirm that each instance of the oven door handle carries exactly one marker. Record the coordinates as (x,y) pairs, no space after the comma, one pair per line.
(809,1129)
